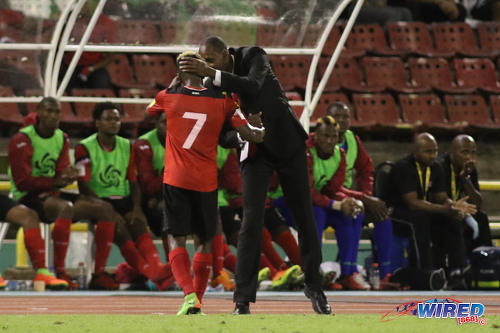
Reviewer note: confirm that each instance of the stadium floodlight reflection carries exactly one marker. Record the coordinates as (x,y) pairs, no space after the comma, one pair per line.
(289,24)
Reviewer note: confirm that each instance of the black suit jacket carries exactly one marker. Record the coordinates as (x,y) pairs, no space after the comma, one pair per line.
(260,91)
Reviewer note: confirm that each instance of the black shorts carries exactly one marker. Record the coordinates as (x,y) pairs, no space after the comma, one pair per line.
(190,212)
(154,215)
(230,223)
(122,206)
(35,202)
(6,204)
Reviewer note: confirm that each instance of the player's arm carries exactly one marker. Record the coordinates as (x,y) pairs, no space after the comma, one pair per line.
(246,131)
(149,180)
(82,161)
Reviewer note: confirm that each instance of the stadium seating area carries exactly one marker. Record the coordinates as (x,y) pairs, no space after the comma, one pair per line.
(410,75)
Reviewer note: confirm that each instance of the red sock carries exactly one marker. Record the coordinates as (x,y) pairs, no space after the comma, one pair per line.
(289,244)
(135,259)
(229,259)
(164,240)
(202,262)
(270,251)
(147,248)
(264,262)
(60,235)
(35,246)
(217,255)
(181,268)
(104,235)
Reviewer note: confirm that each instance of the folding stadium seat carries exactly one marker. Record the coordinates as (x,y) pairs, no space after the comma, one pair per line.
(436,73)
(291,70)
(121,72)
(137,32)
(135,113)
(324,101)
(375,109)
(83,109)
(277,34)
(333,40)
(389,72)
(9,112)
(26,61)
(477,72)
(458,37)
(294,96)
(468,110)
(154,69)
(167,32)
(495,108)
(371,38)
(346,74)
(413,37)
(489,36)
(423,109)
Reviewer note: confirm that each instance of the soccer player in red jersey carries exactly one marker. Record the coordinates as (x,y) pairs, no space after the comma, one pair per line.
(195,115)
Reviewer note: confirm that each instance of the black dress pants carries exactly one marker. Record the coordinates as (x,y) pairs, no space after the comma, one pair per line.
(294,179)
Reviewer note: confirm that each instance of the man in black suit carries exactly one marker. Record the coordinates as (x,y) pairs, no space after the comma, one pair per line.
(246,71)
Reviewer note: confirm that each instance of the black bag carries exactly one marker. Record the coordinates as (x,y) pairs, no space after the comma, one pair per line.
(485,262)
(420,279)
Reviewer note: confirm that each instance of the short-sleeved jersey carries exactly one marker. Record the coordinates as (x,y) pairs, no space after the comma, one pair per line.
(194,121)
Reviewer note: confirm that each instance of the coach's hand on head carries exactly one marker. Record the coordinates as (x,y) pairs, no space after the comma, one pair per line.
(196,66)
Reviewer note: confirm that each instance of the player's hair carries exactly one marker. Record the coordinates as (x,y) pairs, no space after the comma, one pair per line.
(46,100)
(327,120)
(216,43)
(101,107)
(336,105)
(187,54)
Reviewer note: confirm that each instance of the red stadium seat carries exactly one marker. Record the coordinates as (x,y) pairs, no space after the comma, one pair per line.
(135,113)
(294,96)
(324,101)
(413,37)
(389,72)
(154,69)
(332,41)
(291,70)
(375,109)
(468,110)
(489,36)
(346,74)
(121,72)
(458,37)
(477,72)
(272,33)
(84,110)
(168,32)
(137,32)
(436,73)
(495,108)
(423,109)
(370,38)
(9,112)
(26,61)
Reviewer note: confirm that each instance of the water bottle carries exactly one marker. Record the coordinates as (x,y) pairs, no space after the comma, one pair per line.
(82,276)
(374,276)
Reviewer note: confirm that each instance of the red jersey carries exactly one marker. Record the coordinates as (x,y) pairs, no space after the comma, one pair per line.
(194,121)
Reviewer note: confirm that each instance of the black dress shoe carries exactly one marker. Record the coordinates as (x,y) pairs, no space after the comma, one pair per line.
(318,300)
(241,308)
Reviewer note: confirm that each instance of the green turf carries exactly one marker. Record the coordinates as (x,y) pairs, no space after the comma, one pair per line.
(234,324)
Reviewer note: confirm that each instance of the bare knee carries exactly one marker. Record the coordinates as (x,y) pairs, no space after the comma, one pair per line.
(23,216)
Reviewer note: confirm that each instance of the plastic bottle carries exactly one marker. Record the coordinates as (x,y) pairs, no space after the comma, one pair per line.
(81,278)
(374,276)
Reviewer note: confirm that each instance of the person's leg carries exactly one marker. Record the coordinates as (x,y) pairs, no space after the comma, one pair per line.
(202,263)
(356,225)
(282,236)
(256,174)
(294,179)
(270,252)
(382,237)
(344,235)
(62,211)
(218,250)
(484,238)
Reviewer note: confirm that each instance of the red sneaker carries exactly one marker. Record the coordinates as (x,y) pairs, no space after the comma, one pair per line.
(349,283)
(334,286)
(103,281)
(2,283)
(72,285)
(224,279)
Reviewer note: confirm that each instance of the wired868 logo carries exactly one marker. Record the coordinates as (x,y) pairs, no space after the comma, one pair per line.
(440,308)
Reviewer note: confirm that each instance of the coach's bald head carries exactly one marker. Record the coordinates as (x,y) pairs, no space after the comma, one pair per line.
(425,149)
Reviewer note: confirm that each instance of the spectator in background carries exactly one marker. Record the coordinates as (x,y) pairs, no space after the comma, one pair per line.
(431,11)
(107,166)
(40,167)
(461,180)
(379,12)
(358,184)
(91,71)
(417,193)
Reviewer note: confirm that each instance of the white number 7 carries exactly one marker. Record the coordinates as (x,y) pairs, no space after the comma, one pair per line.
(200,120)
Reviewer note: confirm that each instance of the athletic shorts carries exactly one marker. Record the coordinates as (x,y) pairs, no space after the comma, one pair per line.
(35,202)
(190,212)
(155,216)
(122,205)
(230,223)
(6,204)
